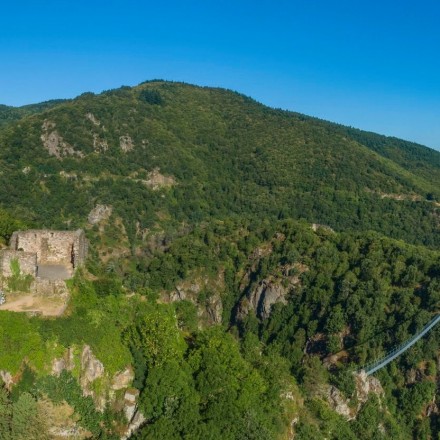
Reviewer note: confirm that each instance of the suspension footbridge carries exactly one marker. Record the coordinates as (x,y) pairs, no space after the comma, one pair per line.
(397,351)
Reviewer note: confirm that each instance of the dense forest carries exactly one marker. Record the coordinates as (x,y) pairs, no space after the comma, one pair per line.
(248,263)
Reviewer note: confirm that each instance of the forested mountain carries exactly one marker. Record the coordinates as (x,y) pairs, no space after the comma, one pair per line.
(245,261)
(10,114)
(223,153)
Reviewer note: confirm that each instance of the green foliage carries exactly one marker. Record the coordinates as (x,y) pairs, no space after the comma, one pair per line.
(26,384)
(330,423)
(412,399)
(26,423)
(228,155)
(108,286)
(157,336)
(209,391)
(242,172)
(170,396)
(18,282)
(187,316)
(67,388)
(21,339)
(22,419)
(6,414)
(8,224)
(151,96)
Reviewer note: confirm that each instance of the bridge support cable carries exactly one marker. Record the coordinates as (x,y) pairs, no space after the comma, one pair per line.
(397,351)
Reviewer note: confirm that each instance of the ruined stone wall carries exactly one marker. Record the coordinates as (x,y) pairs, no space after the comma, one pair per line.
(52,247)
(49,287)
(81,248)
(26,260)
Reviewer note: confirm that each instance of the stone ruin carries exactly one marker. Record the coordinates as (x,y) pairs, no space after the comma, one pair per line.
(45,254)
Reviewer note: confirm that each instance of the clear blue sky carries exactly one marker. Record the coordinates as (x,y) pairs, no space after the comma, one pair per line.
(370,64)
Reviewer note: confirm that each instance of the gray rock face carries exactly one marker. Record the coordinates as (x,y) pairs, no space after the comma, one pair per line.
(91,368)
(366,385)
(65,363)
(274,289)
(339,403)
(7,378)
(156,180)
(130,405)
(126,143)
(210,310)
(99,145)
(137,421)
(270,294)
(99,213)
(262,298)
(214,309)
(93,118)
(58,365)
(55,144)
(123,379)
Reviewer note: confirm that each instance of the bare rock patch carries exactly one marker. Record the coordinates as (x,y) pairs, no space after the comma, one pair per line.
(126,143)
(91,117)
(156,180)
(54,143)
(99,213)
(99,145)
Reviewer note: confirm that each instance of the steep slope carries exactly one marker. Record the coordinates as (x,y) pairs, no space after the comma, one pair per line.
(416,158)
(169,153)
(10,114)
(230,319)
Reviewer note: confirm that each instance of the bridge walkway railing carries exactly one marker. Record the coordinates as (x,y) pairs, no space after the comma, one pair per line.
(397,351)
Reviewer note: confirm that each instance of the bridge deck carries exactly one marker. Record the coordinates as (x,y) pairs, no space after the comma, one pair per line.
(377,365)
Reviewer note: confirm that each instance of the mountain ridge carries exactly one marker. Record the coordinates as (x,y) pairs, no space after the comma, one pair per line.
(227,154)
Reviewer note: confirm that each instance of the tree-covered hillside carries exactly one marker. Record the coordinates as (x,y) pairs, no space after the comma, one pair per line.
(223,154)
(245,262)
(10,114)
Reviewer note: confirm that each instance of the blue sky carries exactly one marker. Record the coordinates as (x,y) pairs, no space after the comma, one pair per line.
(373,65)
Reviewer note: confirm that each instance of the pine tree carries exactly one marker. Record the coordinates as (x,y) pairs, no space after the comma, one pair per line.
(26,423)
(5,414)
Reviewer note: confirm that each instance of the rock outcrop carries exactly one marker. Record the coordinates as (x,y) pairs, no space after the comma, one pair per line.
(91,369)
(126,143)
(130,406)
(366,385)
(339,403)
(264,296)
(156,180)
(91,117)
(205,293)
(137,421)
(99,145)
(54,143)
(7,378)
(214,308)
(272,290)
(99,213)
(67,362)
(123,379)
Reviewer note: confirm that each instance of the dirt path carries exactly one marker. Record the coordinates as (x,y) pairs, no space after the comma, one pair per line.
(46,306)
